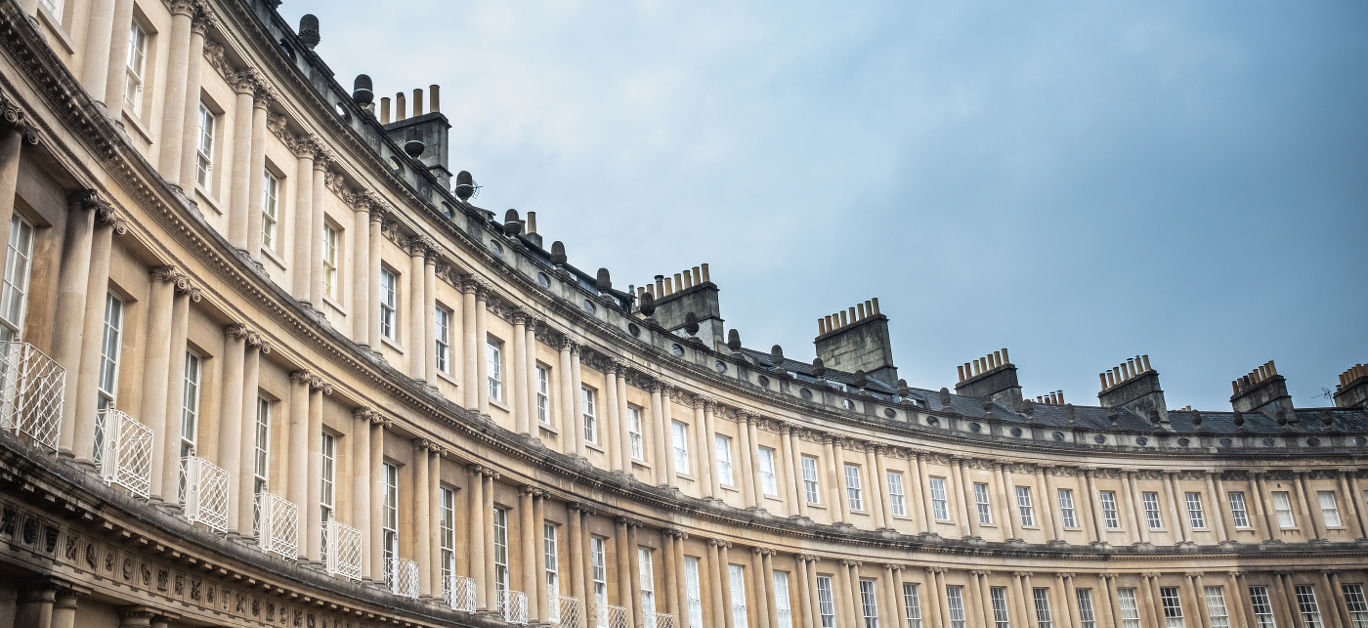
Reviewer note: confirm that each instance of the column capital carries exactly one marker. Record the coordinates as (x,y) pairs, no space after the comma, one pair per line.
(807,558)
(1110,575)
(1193,574)
(203,19)
(675,533)
(250,336)
(763,551)
(1022,574)
(936,570)
(181,7)
(719,543)
(1234,573)
(1064,574)
(1150,574)
(980,572)
(582,507)
(137,613)
(850,562)
(12,115)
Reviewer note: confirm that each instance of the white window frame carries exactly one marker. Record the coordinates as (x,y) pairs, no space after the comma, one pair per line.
(1282,505)
(954,597)
(736,577)
(261,460)
(389,303)
(1002,617)
(1110,517)
(782,604)
(1216,607)
(270,211)
(327,450)
(869,602)
(18,267)
(1171,599)
(940,499)
(441,337)
(693,591)
(1196,514)
(551,552)
(1130,608)
(1263,607)
(543,394)
(204,145)
(679,436)
(598,557)
(1308,607)
(647,580)
(983,503)
(111,350)
(826,602)
(1067,514)
(1356,604)
(811,486)
(1024,507)
(135,68)
(722,443)
(1329,508)
(1150,500)
(897,498)
(1239,509)
(854,494)
(1087,618)
(494,367)
(331,237)
(912,605)
(190,404)
(636,442)
(502,575)
(1041,598)
(588,397)
(446,504)
(765,458)
(389,522)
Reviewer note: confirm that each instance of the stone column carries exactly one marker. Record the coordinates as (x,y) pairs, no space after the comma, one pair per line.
(1198,588)
(1304,498)
(624,566)
(931,604)
(470,353)
(430,315)
(479,347)
(157,375)
(534,422)
(360,482)
(663,465)
(791,466)
(575,424)
(1333,588)
(97,287)
(13,129)
(1237,599)
(802,585)
(833,480)
(375,235)
(176,85)
(766,581)
(716,568)
(434,488)
(742,474)
(117,46)
(917,484)
(966,497)
(314,438)
(544,602)
(241,173)
(1267,514)
(704,451)
(924,484)
(297,490)
(941,597)
(612,437)
(417,332)
(1174,493)
(1064,589)
(246,450)
(1048,505)
(521,410)
(231,412)
(1150,581)
(1142,526)
(624,439)
(529,546)
(880,472)
(634,572)
(35,604)
(317,218)
(136,617)
(189,137)
(175,390)
(709,436)
(1094,509)
(566,417)
(752,425)
(422,531)
(1107,580)
(1345,481)
(891,584)
(256,173)
(488,514)
(680,591)
(483,585)
(377,494)
(360,271)
(67,598)
(1004,508)
(843,590)
(876,489)
(95,61)
(1217,512)
(302,241)
(574,513)
(984,595)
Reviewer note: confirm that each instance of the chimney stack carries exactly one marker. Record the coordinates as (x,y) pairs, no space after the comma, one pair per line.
(992,376)
(1352,390)
(1133,385)
(431,129)
(1262,390)
(856,339)
(689,290)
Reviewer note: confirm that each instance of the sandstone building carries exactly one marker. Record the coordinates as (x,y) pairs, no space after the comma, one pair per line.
(265,363)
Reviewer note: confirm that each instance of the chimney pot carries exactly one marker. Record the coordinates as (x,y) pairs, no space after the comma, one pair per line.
(705,272)
(852,314)
(434,100)
(669,286)
(417,102)
(679,281)
(1146,359)
(1103,378)
(821,327)
(384,110)
(861,312)
(531,216)
(1061,396)
(875,300)
(961,372)
(399,107)
(688,279)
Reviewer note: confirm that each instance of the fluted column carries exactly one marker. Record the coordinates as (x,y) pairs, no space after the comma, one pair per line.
(371,311)
(521,410)
(314,438)
(757,488)
(880,472)
(240,173)
(256,172)
(1095,515)
(538,610)
(833,480)
(319,190)
(577,541)
(1064,593)
(966,497)
(790,465)
(709,435)
(302,258)
(377,494)
(417,332)
(1048,504)
(157,372)
(95,60)
(705,454)
(97,287)
(176,89)
(246,450)
(663,465)
(1237,599)
(360,482)
(1216,510)
(715,582)
(434,490)
(624,566)
(471,349)
(567,416)
(231,415)
(1304,498)
(189,136)
(876,489)
(1128,481)
(175,390)
(479,347)
(360,270)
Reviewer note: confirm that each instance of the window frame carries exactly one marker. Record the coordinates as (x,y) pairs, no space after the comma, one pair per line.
(135,72)
(1262,605)
(725,476)
(679,443)
(1067,514)
(869,602)
(1282,505)
(494,368)
(1196,513)
(826,602)
(812,488)
(912,604)
(769,485)
(1239,513)
(940,498)
(204,146)
(1111,517)
(1308,607)
(1332,510)
(983,503)
(897,496)
(1217,612)
(854,490)
(17,274)
(441,337)
(389,303)
(1153,518)
(1024,507)
(332,237)
(543,379)
(635,438)
(270,211)
(589,416)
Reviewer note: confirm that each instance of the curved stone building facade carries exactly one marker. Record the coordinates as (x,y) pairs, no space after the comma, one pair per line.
(265,364)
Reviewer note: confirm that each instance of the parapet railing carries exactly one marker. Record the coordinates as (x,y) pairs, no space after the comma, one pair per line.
(277,525)
(31,388)
(342,552)
(123,451)
(205,493)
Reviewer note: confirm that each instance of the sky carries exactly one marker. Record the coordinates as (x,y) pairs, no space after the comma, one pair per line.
(1078,182)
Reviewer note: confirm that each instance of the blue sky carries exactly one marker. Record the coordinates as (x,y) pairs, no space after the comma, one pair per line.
(1077,182)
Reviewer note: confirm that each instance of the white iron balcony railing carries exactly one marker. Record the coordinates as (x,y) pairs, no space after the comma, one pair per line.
(206,493)
(566,612)
(31,388)
(342,551)
(124,453)
(653,619)
(614,617)
(459,592)
(277,525)
(513,606)
(404,578)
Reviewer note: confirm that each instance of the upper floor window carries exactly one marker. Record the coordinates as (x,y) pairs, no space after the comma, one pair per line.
(1109,516)
(590,418)
(766,471)
(204,149)
(854,496)
(441,338)
(1239,512)
(1282,504)
(135,68)
(724,459)
(1066,508)
(494,353)
(261,461)
(810,487)
(982,503)
(328,450)
(1196,516)
(543,394)
(389,302)
(270,211)
(1329,509)
(679,433)
(896,500)
(330,237)
(107,385)
(634,433)
(940,502)
(389,522)
(1150,500)
(1023,494)
(190,405)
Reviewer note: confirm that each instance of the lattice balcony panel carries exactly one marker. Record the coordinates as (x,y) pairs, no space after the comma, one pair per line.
(459,592)
(277,525)
(513,606)
(206,493)
(124,452)
(31,388)
(405,579)
(342,552)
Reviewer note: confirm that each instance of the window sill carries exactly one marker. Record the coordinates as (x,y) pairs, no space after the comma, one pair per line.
(729,487)
(641,463)
(209,201)
(330,302)
(392,344)
(546,427)
(774,498)
(137,124)
(817,506)
(946,521)
(270,253)
(500,404)
(55,23)
(596,447)
(449,379)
